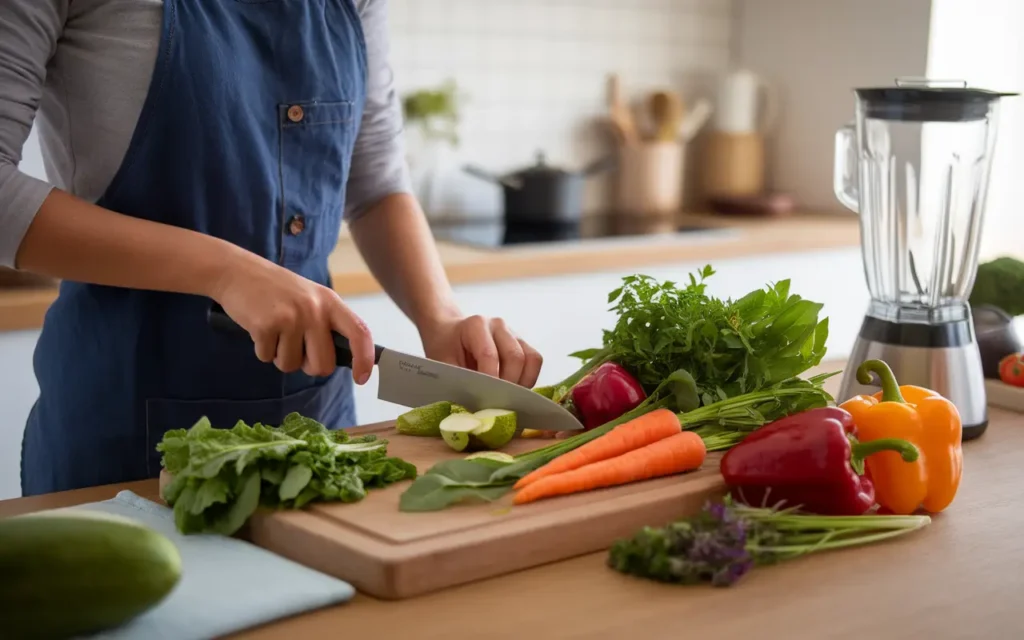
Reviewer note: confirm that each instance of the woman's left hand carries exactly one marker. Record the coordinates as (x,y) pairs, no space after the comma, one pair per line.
(485,345)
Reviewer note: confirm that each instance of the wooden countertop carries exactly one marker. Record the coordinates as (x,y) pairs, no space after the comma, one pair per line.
(961,577)
(23,307)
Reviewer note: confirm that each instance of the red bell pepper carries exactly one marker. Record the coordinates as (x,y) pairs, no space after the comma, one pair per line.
(810,460)
(605,394)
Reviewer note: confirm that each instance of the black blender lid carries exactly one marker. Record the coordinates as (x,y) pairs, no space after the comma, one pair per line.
(917,101)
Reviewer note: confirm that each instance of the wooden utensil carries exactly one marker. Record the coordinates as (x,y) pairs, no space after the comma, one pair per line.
(618,112)
(666,111)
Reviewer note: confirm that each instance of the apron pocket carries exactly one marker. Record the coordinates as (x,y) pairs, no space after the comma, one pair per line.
(317,139)
(330,403)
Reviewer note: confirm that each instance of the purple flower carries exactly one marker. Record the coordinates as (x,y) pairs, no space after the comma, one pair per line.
(710,547)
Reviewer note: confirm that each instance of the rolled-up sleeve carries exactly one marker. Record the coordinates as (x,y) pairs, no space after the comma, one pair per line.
(378,166)
(29,30)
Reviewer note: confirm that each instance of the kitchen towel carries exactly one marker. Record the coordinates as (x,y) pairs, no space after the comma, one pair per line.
(227,585)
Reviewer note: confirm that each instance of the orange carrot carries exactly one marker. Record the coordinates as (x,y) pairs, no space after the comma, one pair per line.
(684,451)
(638,432)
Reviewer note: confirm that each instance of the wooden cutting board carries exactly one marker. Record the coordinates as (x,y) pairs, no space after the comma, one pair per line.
(392,555)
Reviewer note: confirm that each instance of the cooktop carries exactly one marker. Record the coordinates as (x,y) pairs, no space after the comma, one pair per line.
(498,233)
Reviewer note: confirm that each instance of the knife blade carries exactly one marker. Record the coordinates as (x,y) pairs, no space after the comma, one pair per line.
(414,381)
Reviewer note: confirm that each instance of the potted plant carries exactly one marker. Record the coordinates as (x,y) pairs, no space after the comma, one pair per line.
(432,119)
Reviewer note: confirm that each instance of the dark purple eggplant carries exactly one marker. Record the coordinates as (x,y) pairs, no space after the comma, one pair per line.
(996,337)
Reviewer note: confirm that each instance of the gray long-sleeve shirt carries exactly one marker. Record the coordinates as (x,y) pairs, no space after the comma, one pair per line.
(82,67)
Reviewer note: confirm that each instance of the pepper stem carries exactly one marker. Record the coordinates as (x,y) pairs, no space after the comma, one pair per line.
(890,388)
(861,450)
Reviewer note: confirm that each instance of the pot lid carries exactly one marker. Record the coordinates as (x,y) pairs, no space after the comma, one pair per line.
(540,168)
(923,100)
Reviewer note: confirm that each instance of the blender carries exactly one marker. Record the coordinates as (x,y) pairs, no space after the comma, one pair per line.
(915,165)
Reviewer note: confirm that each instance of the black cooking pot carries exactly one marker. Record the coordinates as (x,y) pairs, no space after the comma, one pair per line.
(543,194)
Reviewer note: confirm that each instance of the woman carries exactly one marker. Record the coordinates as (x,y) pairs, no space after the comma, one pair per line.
(208,150)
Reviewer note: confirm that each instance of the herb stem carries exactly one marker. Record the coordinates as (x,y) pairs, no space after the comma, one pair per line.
(826,542)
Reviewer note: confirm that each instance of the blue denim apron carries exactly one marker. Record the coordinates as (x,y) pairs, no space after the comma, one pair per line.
(246,134)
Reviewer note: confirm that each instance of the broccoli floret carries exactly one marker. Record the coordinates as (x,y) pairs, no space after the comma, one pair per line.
(1000,283)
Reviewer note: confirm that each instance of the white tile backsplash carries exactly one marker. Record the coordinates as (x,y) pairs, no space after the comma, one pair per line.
(533,74)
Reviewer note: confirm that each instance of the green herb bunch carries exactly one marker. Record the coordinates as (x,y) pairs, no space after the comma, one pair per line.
(220,476)
(728,347)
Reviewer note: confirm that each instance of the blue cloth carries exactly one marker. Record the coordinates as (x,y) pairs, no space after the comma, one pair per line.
(247,135)
(227,585)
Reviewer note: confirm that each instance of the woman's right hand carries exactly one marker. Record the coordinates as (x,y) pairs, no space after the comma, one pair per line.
(290,318)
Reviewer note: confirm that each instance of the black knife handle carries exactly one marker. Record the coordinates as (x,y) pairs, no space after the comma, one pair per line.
(219,320)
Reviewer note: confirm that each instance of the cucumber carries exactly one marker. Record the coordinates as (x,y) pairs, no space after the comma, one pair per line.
(67,573)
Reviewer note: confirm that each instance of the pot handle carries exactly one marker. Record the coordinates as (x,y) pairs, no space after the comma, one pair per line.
(511,183)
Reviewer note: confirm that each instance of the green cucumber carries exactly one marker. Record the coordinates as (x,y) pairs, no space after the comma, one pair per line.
(485,429)
(67,573)
(424,421)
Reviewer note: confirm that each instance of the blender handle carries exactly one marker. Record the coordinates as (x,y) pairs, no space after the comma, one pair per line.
(845,168)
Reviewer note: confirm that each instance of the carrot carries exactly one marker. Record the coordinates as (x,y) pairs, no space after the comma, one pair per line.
(638,432)
(684,451)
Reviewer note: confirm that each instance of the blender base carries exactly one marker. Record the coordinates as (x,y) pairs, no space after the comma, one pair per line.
(944,359)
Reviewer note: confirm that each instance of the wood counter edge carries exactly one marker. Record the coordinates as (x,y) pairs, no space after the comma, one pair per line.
(24,308)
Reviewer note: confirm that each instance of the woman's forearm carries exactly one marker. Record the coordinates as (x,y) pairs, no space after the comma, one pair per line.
(75,240)
(395,241)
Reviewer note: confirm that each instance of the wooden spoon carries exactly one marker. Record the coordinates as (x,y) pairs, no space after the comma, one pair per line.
(666,109)
(619,113)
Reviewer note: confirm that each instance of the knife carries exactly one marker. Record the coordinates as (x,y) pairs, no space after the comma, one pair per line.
(414,381)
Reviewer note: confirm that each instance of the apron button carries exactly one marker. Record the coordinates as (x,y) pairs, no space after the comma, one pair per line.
(295,113)
(296,225)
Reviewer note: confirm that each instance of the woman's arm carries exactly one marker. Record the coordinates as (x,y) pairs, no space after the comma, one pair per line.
(398,247)
(386,221)
(71,239)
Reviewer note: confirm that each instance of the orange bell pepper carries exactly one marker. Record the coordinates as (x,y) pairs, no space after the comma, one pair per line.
(922,417)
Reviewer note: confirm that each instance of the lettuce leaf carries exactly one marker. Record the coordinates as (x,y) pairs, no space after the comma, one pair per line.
(221,476)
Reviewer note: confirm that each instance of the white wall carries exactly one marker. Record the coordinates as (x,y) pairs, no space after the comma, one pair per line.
(534,74)
(980,41)
(815,52)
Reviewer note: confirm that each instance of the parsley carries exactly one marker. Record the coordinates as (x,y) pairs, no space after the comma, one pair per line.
(728,347)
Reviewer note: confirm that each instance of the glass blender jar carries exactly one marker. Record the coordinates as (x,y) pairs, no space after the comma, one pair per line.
(915,165)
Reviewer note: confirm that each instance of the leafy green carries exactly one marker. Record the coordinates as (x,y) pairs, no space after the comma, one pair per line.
(1000,283)
(221,476)
(454,481)
(727,347)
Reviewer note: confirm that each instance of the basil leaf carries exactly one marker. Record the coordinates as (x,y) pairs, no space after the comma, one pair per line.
(434,491)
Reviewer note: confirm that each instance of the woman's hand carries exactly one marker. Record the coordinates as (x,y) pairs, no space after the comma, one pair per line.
(291,318)
(485,345)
